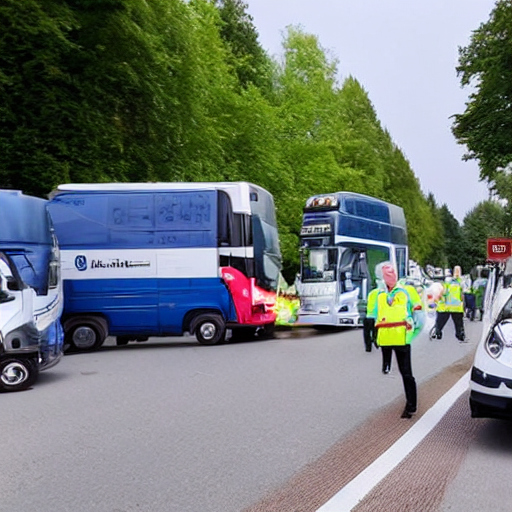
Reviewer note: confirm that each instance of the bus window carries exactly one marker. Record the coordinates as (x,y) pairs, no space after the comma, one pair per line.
(400,262)
(375,255)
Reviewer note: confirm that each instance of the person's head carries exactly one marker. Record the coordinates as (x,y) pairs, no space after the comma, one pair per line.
(386,272)
(457,271)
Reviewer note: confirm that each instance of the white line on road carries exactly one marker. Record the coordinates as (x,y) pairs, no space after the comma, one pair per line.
(348,497)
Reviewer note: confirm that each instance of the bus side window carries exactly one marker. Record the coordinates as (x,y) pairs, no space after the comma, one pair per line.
(400,262)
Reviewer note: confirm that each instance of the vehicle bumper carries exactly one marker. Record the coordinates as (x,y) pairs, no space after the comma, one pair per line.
(490,406)
(491,396)
(347,320)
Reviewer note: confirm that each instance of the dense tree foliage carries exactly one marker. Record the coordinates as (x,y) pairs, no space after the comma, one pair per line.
(453,241)
(486,63)
(486,220)
(175,90)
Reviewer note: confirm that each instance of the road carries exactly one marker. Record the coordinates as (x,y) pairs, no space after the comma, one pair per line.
(172,426)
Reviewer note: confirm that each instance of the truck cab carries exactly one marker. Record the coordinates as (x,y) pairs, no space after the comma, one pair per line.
(31,336)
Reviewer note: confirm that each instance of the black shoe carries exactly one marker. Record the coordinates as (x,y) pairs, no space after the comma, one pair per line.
(368,349)
(386,370)
(407,414)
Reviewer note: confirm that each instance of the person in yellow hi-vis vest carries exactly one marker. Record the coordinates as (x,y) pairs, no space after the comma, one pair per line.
(398,314)
(451,304)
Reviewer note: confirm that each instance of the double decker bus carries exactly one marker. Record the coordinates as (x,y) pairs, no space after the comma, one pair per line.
(162,259)
(343,236)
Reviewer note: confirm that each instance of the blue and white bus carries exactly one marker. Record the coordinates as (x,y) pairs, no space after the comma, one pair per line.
(343,236)
(31,337)
(160,259)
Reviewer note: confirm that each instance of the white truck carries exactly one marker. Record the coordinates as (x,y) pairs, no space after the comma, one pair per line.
(31,336)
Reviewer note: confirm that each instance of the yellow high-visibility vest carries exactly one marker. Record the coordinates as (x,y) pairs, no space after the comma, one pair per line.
(393,318)
(452,299)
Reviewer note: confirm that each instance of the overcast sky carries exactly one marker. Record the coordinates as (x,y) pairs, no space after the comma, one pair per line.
(404,54)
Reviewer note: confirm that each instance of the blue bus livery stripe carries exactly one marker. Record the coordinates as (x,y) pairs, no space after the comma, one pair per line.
(146,306)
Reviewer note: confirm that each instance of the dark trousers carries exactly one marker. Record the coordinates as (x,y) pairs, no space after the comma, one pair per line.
(369,333)
(403,358)
(458,320)
(470,305)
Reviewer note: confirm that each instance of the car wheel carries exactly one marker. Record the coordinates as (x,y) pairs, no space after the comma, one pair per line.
(17,374)
(209,328)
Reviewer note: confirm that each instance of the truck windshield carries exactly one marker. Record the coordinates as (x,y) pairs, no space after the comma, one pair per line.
(318,265)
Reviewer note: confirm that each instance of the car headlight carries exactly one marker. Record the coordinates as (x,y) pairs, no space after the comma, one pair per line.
(494,344)
(499,338)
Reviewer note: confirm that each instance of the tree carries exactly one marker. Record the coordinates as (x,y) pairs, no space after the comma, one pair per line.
(485,127)
(249,60)
(436,255)
(486,220)
(453,239)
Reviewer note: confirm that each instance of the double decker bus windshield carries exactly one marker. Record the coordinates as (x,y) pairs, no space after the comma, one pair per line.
(318,265)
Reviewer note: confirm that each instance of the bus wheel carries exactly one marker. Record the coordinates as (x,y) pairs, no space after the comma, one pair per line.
(267,332)
(243,334)
(86,335)
(17,374)
(209,329)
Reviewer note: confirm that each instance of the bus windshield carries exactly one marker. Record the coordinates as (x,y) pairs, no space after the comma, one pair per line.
(267,255)
(318,265)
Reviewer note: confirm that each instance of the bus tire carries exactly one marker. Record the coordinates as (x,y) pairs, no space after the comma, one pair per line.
(239,334)
(85,334)
(267,332)
(17,374)
(209,329)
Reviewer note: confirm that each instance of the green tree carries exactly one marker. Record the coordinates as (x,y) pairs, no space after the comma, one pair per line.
(486,220)
(436,255)
(247,57)
(454,247)
(37,93)
(485,127)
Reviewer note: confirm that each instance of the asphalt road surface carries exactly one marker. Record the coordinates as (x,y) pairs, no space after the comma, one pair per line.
(279,425)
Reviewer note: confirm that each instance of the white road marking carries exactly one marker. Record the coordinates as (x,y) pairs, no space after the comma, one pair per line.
(348,497)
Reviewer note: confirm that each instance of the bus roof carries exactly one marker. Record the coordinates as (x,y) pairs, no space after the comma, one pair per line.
(358,205)
(355,215)
(238,191)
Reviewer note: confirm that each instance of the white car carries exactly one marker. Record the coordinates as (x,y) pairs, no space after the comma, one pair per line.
(491,375)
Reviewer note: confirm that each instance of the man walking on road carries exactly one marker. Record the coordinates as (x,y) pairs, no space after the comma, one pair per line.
(398,318)
(451,304)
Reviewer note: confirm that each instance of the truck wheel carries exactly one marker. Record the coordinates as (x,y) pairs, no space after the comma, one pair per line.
(86,336)
(209,329)
(17,374)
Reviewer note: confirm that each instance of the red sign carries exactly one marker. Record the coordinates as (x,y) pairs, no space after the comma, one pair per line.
(499,249)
